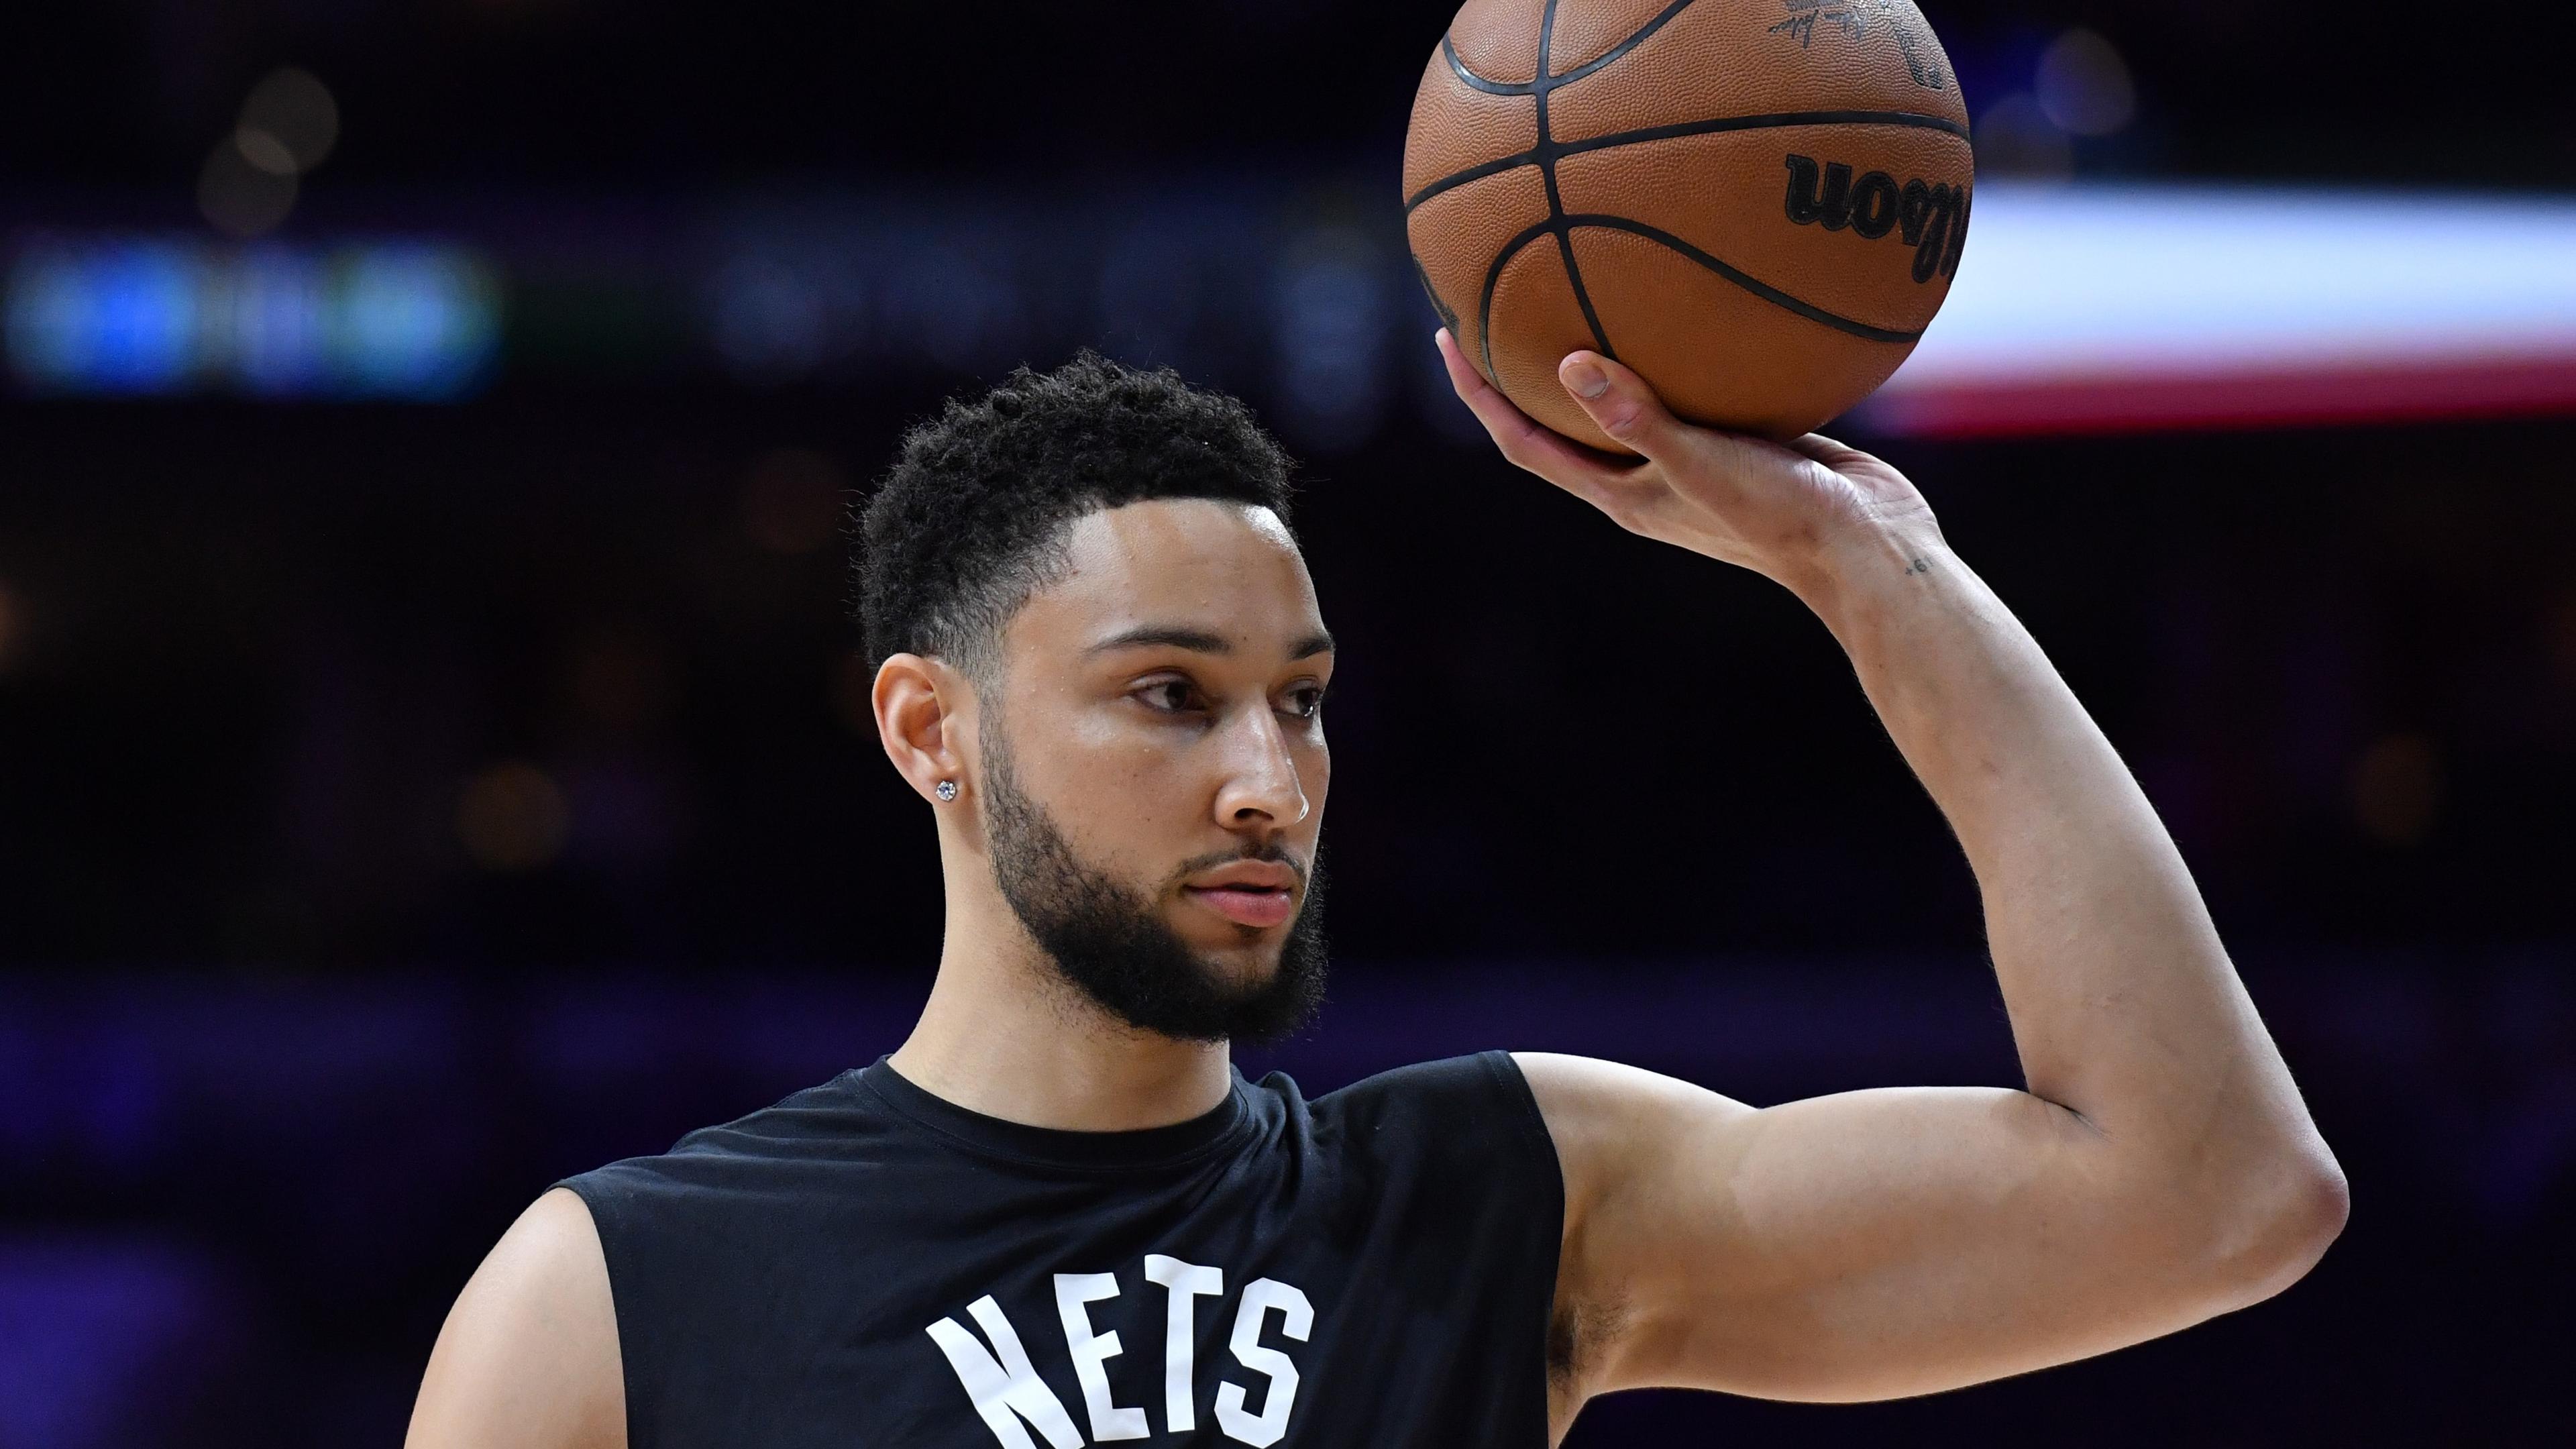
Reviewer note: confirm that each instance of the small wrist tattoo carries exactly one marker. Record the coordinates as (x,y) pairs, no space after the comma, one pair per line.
(1919,566)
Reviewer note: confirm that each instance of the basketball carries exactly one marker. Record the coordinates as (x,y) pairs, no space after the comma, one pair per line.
(1756,204)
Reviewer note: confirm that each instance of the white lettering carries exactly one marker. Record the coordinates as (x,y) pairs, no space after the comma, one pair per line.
(1297,1319)
(1091,1350)
(1006,1390)
(1187,1282)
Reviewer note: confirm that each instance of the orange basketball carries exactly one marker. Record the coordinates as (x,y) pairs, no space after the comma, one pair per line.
(1757,204)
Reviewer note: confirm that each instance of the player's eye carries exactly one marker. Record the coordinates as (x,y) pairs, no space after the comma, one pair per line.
(1171,696)
(1306,700)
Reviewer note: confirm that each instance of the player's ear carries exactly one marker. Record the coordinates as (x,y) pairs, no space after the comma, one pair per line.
(918,703)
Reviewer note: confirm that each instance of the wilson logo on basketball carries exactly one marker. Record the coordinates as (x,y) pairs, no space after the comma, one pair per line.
(1930,217)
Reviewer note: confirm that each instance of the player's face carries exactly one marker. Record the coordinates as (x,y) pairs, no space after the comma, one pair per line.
(1156,767)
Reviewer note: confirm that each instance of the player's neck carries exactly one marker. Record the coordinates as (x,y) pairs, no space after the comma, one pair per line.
(1001,1036)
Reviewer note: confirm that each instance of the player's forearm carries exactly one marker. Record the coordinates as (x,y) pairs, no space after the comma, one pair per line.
(2124,1005)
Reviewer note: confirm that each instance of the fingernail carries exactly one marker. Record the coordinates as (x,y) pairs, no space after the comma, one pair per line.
(1586,378)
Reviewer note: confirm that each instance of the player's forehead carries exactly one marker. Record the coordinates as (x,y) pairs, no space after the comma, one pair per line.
(1228,569)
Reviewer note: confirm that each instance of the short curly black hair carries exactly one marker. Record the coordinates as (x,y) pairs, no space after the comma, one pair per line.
(972,518)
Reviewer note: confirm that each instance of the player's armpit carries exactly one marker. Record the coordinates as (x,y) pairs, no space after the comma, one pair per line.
(528,1358)
(1883,1243)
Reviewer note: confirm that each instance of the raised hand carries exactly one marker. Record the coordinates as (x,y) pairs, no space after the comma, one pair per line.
(2158,1167)
(1778,509)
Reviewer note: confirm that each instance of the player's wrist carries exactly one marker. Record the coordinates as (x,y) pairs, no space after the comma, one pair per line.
(1865,562)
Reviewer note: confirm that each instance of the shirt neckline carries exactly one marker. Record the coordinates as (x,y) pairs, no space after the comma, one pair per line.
(1056,1146)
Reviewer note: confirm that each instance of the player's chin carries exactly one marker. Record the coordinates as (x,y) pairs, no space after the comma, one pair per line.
(1244,951)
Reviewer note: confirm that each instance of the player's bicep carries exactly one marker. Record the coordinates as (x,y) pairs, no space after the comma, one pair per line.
(528,1358)
(1865,1245)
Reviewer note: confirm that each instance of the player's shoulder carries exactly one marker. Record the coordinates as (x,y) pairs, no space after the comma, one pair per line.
(829,1112)
(1479,1074)
(823,1119)
(1609,1121)
(1589,1094)
(1565,1099)
(1468,1101)
(551,1243)
(528,1357)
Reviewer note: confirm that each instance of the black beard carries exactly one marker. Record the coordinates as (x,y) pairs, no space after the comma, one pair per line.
(1109,944)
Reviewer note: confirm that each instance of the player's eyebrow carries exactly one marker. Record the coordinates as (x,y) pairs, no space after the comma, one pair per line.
(1319,642)
(1177,636)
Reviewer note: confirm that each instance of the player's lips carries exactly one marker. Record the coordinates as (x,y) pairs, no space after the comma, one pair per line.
(1248,892)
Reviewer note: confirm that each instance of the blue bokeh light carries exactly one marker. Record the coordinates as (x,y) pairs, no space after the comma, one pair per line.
(137,316)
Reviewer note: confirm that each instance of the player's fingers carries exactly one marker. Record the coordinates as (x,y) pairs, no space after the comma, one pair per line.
(1509,427)
(1522,441)
(1833,454)
(1621,402)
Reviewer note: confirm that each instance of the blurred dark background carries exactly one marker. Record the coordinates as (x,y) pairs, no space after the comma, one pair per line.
(432,758)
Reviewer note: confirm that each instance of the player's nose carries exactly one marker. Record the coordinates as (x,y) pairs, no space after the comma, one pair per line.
(1262,786)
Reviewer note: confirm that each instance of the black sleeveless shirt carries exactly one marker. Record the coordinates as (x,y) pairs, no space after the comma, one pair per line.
(865,1264)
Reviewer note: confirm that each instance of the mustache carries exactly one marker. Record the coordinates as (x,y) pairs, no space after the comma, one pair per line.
(1275,853)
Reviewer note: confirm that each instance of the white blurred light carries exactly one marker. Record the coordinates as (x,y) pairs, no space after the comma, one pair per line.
(2083,86)
(238,195)
(2015,137)
(287,126)
(264,151)
(2246,301)
(295,111)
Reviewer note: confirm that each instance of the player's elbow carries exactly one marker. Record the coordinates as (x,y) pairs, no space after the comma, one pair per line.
(2274,1223)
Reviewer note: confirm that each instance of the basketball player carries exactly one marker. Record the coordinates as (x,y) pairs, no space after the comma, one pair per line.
(1056,1215)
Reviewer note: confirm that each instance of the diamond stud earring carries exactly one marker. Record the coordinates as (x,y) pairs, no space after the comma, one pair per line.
(947,790)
